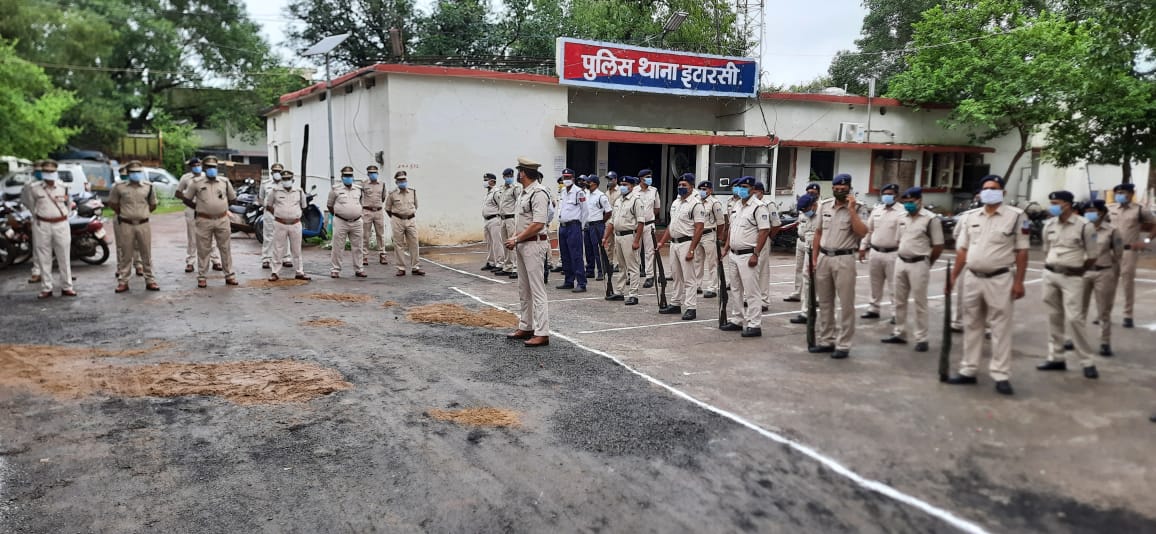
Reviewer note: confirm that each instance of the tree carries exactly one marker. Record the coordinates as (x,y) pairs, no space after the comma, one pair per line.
(456,28)
(367,21)
(31,108)
(814,86)
(887,29)
(1005,67)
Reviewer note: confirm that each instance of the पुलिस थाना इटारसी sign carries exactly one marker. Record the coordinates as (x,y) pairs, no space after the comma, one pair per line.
(630,68)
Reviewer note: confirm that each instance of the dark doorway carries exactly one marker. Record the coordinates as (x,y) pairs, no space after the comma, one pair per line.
(628,158)
(581,156)
(822,165)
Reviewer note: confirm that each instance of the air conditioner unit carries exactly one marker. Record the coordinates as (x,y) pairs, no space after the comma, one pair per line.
(851,132)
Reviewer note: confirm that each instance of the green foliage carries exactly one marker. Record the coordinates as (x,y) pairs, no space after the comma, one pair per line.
(180,143)
(814,86)
(367,21)
(239,110)
(456,28)
(887,27)
(30,107)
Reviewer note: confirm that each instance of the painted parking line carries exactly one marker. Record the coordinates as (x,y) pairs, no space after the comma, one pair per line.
(486,278)
(806,450)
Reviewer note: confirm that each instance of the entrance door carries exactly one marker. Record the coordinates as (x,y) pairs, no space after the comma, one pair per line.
(822,165)
(680,159)
(581,156)
(628,158)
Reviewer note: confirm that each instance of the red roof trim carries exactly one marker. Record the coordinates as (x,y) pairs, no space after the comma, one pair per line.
(622,136)
(421,70)
(970,149)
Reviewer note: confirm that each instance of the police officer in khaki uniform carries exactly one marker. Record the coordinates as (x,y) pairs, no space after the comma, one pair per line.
(532,245)
(612,192)
(623,240)
(492,223)
(749,228)
(345,205)
(840,227)
(1100,280)
(687,220)
(1130,219)
(401,205)
(706,257)
(132,201)
(760,192)
(372,215)
(137,264)
(883,240)
(286,203)
(210,196)
(806,232)
(920,244)
(51,236)
(993,240)
(268,185)
(1071,249)
(648,196)
(509,191)
(195,169)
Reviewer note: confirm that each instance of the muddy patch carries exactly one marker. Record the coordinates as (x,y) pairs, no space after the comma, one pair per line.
(455,314)
(340,297)
(388,304)
(284,282)
(326,322)
(495,417)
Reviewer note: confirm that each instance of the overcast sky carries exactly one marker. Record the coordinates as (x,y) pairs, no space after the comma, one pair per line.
(800,40)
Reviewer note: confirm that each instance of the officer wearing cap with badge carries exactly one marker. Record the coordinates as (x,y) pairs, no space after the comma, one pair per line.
(648,196)
(531,244)
(51,236)
(345,205)
(195,170)
(841,225)
(749,228)
(623,240)
(572,215)
(760,191)
(401,205)
(993,241)
(612,187)
(883,240)
(687,220)
(286,203)
(920,242)
(1071,249)
(372,216)
(492,222)
(706,257)
(132,201)
(509,192)
(804,230)
(1100,280)
(597,213)
(1130,220)
(210,197)
(268,185)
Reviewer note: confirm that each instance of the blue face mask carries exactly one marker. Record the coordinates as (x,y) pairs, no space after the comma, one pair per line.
(1056,210)
(402,185)
(197,170)
(888,199)
(373,176)
(347,180)
(911,207)
(211,172)
(509,181)
(37,175)
(624,189)
(683,191)
(702,193)
(810,213)
(648,180)
(741,191)
(135,176)
(1121,198)
(1092,216)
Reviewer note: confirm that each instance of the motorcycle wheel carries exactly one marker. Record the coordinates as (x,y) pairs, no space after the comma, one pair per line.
(6,252)
(21,253)
(259,230)
(99,255)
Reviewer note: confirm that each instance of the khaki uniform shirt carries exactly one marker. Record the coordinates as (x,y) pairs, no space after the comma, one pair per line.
(402,203)
(286,204)
(613,195)
(806,230)
(47,203)
(684,214)
(1109,245)
(650,200)
(492,202)
(919,233)
(533,207)
(1071,243)
(883,226)
(211,197)
(714,212)
(628,212)
(835,222)
(372,194)
(992,240)
(135,201)
(508,198)
(345,202)
(1128,219)
(772,211)
(746,221)
(266,187)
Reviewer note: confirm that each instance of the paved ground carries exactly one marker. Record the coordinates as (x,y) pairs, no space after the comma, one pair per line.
(598,448)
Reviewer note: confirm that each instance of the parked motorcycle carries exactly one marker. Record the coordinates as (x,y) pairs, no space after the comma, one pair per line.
(16,229)
(89,240)
(788,233)
(87,204)
(246,213)
(312,220)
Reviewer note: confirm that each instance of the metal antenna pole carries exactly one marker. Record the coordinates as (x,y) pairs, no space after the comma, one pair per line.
(329,111)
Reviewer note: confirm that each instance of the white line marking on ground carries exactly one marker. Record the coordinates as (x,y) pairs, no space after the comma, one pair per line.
(828,462)
(486,278)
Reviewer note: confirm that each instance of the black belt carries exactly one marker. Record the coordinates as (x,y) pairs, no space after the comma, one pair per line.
(1127,247)
(623,232)
(837,252)
(710,231)
(130,221)
(884,250)
(347,220)
(681,239)
(913,259)
(488,217)
(507,216)
(396,216)
(370,209)
(992,274)
(1102,267)
(743,251)
(287,222)
(568,223)
(539,237)
(1066,271)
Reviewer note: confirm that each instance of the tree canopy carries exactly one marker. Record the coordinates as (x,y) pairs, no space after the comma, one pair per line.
(31,107)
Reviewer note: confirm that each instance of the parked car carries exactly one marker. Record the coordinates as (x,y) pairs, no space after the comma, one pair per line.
(165,183)
(13,164)
(71,175)
(100,175)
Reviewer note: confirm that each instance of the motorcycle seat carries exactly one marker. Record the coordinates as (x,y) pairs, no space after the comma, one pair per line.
(241,210)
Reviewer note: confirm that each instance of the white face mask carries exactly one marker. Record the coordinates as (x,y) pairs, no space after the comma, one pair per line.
(287,184)
(567,183)
(276,176)
(49,176)
(991,196)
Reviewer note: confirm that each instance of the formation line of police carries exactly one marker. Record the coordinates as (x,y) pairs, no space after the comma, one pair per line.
(1089,248)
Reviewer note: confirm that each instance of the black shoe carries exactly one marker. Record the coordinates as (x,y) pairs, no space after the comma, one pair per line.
(799,319)
(791,299)
(921,346)
(499,272)
(1003,387)
(1153,418)
(1052,366)
(618,269)
(955,330)
(513,276)
(766,309)
(870,315)
(616,297)
(1090,372)
(892,321)
(1096,322)
(730,327)
(709,294)
(600,278)
(670,310)
(819,349)
(648,283)
(556,270)
(752,332)
(894,340)
(840,354)
(958,380)
(632,301)
(1106,350)
(699,291)
(488,267)
(565,286)
(1068,345)
(1128,323)
(579,289)
(689,315)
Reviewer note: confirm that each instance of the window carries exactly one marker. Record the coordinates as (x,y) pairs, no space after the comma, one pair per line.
(730,162)
(785,171)
(889,167)
(946,170)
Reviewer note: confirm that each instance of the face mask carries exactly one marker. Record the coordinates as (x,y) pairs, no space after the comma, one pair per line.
(373,176)
(702,193)
(347,180)
(911,207)
(841,195)
(624,189)
(1092,216)
(287,184)
(485,185)
(48,176)
(742,192)
(1121,198)
(38,175)
(683,191)
(648,180)
(991,196)
(509,181)
(809,213)
(196,170)
(567,183)
(402,185)
(888,199)
(135,176)
(276,176)
(211,173)
(1056,210)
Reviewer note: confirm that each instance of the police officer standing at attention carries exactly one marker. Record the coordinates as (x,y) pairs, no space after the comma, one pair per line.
(750,226)
(401,205)
(1130,219)
(492,223)
(920,244)
(209,196)
(687,219)
(531,244)
(612,192)
(1071,249)
(806,231)
(1100,280)
(706,257)
(287,202)
(597,213)
(760,192)
(372,216)
(648,196)
(133,201)
(49,203)
(993,239)
(624,234)
(268,185)
(883,240)
(345,205)
(37,176)
(510,190)
(195,170)
(571,216)
(841,225)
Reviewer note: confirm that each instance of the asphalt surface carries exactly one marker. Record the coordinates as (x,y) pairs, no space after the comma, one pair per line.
(599,448)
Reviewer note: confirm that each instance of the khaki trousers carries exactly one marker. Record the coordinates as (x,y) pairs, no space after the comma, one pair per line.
(191,239)
(497,246)
(508,262)
(134,241)
(734,305)
(687,278)
(648,247)
(1102,284)
(988,301)
(835,277)
(1128,280)
(267,246)
(342,230)
(798,290)
(881,266)
(49,239)
(287,234)
(765,274)
(533,305)
(208,231)
(627,279)
(372,221)
(706,263)
(911,280)
(1063,298)
(405,249)
(745,290)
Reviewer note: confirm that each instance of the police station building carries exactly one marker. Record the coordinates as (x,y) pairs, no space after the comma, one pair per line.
(622,108)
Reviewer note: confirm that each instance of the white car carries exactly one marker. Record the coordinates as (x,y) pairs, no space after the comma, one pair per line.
(71,175)
(164,182)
